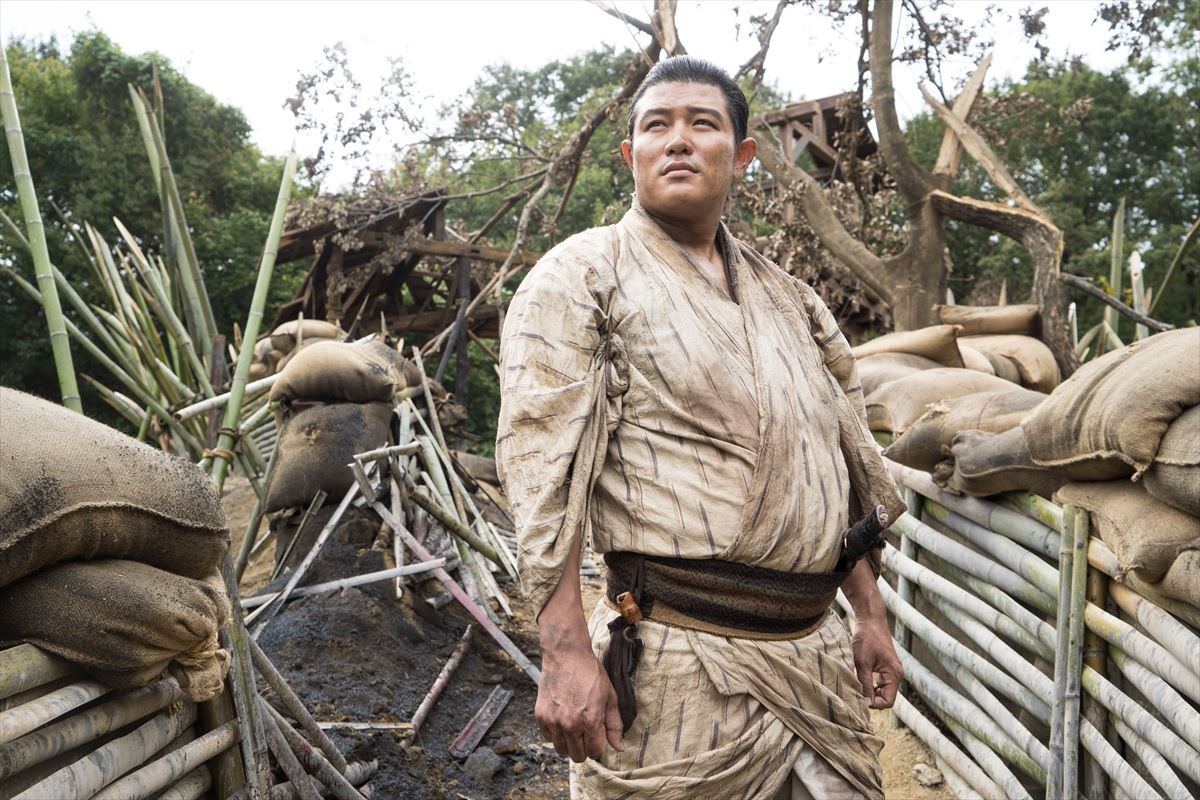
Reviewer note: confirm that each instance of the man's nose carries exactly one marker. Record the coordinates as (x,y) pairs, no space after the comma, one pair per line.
(679,142)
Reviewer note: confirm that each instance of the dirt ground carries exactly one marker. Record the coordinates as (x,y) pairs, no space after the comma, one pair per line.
(361,655)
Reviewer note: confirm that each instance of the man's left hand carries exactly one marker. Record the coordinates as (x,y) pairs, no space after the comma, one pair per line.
(876,662)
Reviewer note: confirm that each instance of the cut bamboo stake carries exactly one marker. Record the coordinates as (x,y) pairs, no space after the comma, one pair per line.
(192,786)
(345,583)
(288,762)
(295,707)
(1166,630)
(298,574)
(312,759)
(17,722)
(86,726)
(461,596)
(91,774)
(26,666)
(171,767)
(1172,707)
(1078,599)
(1156,765)
(439,684)
(1054,782)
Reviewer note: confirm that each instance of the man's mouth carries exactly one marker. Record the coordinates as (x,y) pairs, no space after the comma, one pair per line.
(678,166)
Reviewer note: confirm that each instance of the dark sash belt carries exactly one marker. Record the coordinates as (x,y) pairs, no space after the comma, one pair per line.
(718,596)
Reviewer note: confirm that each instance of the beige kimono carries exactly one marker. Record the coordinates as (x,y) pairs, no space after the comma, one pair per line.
(644,407)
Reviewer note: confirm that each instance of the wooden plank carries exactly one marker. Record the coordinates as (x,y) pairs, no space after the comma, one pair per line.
(481,723)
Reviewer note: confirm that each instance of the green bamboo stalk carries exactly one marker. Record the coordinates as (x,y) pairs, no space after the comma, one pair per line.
(36,232)
(1054,781)
(1138,285)
(1035,507)
(135,388)
(1087,339)
(1078,601)
(189,271)
(130,415)
(1192,235)
(1116,250)
(243,556)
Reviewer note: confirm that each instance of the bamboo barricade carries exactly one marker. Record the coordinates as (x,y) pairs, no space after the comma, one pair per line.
(985,595)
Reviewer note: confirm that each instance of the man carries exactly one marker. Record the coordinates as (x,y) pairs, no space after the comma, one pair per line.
(695,411)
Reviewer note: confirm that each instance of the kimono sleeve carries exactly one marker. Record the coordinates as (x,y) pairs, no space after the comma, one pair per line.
(548,439)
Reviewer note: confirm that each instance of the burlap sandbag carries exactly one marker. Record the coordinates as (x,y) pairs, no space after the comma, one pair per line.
(1114,411)
(1002,365)
(1182,580)
(937,342)
(1033,359)
(285,337)
(340,372)
(1146,535)
(1175,476)
(982,464)
(976,360)
(72,488)
(874,371)
(124,623)
(317,443)
(927,442)
(1021,320)
(897,404)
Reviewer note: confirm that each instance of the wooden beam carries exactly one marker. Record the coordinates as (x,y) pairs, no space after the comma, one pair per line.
(475,252)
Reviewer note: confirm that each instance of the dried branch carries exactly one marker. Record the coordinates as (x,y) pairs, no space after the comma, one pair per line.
(974,144)
(951,151)
(757,62)
(1087,287)
(664,28)
(612,11)
(867,266)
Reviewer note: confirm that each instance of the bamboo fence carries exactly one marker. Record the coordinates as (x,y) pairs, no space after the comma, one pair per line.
(992,613)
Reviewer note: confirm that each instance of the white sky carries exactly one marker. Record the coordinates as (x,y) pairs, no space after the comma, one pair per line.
(249,54)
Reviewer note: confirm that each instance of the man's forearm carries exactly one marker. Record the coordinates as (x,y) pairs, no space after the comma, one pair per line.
(561,623)
(863,593)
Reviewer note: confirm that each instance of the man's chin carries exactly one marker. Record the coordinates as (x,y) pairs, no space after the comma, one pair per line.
(679,200)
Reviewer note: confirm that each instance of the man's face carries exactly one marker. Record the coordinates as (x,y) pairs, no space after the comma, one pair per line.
(682,155)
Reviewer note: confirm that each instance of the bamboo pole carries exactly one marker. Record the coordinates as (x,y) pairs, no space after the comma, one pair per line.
(36,232)
(1156,765)
(440,683)
(288,762)
(256,516)
(461,596)
(1046,578)
(87,726)
(1165,629)
(937,742)
(1078,601)
(1054,781)
(312,759)
(317,501)
(171,767)
(91,774)
(17,722)
(419,568)
(26,666)
(1095,782)
(295,707)
(192,786)
(253,389)
(1116,260)
(1174,709)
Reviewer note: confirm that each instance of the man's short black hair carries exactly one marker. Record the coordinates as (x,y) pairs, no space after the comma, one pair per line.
(689,69)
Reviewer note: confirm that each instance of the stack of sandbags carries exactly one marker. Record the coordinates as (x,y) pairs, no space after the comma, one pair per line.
(1174,477)
(1020,359)
(109,550)
(894,406)
(927,441)
(274,350)
(1019,320)
(1156,541)
(980,463)
(334,399)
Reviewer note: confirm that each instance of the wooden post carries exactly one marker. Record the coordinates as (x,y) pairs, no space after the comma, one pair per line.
(1095,780)
(1054,773)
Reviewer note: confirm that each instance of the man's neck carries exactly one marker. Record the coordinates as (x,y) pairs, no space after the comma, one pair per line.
(699,238)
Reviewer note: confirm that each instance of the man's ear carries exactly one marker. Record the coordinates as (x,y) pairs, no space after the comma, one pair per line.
(744,155)
(627,153)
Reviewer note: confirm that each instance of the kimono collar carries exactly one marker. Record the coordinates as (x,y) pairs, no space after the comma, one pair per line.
(646,227)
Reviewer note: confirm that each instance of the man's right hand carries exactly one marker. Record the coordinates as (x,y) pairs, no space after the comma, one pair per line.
(576,704)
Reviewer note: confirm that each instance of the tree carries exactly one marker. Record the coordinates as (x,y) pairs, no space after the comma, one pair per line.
(90,165)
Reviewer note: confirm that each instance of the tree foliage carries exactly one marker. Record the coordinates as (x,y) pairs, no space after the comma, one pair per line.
(88,161)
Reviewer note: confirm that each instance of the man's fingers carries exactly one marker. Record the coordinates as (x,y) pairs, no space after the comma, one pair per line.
(593,740)
(576,748)
(612,724)
(866,681)
(888,686)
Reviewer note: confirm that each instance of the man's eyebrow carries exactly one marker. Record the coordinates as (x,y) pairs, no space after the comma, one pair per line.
(693,110)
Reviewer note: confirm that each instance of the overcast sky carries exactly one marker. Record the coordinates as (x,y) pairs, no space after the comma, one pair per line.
(249,54)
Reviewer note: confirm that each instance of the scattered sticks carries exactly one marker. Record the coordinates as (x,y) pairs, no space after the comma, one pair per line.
(439,684)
